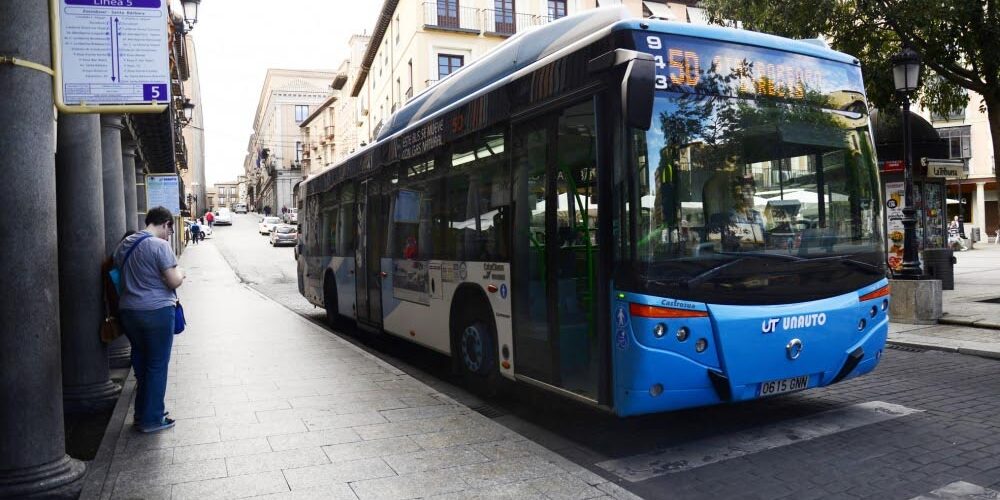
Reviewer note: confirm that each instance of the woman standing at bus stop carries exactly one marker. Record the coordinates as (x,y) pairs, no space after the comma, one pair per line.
(147,305)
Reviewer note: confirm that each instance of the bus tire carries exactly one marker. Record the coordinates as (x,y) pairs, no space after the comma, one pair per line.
(333,319)
(476,350)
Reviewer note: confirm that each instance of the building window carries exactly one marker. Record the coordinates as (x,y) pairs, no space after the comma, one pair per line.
(301,113)
(557,9)
(955,115)
(448,63)
(397,30)
(447,13)
(959,141)
(504,16)
(298,151)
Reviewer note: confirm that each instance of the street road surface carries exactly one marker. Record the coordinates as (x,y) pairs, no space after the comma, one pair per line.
(923,425)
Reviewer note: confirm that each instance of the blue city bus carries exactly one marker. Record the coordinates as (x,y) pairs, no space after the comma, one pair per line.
(639,215)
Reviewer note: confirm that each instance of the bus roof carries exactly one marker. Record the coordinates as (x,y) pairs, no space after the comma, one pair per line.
(526,50)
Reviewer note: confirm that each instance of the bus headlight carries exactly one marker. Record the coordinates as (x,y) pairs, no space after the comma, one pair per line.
(659,330)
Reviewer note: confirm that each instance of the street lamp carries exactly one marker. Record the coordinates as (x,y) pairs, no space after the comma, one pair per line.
(188,109)
(905,75)
(190,12)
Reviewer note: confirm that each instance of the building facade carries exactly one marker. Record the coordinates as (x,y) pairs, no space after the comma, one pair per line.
(967,131)
(273,164)
(227,194)
(194,136)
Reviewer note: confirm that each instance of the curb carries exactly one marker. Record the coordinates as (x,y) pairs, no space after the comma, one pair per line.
(944,348)
(99,469)
(973,324)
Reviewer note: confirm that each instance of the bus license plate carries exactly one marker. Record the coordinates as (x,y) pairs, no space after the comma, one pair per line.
(782,386)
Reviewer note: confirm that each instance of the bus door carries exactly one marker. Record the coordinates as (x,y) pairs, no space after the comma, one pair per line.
(555,250)
(367,255)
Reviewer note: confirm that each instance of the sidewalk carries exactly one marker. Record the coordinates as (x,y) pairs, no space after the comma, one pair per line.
(270,405)
(969,325)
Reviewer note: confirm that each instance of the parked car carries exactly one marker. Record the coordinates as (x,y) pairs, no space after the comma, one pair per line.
(290,217)
(223,217)
(240,208)
(267,224)
(284,234)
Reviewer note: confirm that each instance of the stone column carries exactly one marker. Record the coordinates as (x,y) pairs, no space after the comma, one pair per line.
(87,384)
(128,179)
(120,351)
(979,212)
(33,460)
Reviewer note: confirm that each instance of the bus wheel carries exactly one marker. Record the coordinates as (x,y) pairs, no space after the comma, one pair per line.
(330,302)
(477,354)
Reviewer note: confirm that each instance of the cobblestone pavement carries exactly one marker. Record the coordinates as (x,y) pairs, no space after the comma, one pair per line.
(827,443)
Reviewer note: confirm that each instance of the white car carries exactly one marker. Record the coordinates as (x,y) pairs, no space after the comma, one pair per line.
(291,217)
(223,217)
(267,224)
(240,208)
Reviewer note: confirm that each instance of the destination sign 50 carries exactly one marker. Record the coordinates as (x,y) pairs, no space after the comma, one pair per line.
(692,65)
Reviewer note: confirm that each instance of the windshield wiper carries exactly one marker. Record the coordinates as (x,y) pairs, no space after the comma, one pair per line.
(741,257)
(846,259)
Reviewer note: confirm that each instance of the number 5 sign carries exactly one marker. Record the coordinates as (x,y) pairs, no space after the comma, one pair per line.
(110,56)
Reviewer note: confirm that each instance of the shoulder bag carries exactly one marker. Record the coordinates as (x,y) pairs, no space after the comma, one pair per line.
(111,328)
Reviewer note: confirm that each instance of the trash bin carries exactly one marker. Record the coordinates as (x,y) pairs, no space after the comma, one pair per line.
(939,263)
(976,236)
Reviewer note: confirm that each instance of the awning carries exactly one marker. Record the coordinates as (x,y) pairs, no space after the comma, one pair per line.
(659,11)
(697,15)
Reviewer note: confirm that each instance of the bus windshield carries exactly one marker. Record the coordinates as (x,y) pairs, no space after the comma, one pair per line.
(767,196)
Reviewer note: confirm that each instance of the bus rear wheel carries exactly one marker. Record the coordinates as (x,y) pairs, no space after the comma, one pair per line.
(476,350)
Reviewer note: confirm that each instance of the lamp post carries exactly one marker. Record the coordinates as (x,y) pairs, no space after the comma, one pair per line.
(188,109)
(905,75)
(190,12)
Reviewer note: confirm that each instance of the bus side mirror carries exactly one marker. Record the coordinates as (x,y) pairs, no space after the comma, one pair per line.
(637,83)
(637,92)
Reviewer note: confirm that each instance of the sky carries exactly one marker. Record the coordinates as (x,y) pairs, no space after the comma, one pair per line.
(236,46)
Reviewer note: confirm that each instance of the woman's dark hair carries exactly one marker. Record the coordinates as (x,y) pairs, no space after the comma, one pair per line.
(158,215)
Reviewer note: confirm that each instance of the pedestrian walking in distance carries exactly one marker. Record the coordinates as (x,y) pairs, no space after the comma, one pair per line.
(195,232)
(210,218)
(150,277)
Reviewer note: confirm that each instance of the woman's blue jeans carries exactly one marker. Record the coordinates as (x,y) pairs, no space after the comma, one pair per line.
(152,336)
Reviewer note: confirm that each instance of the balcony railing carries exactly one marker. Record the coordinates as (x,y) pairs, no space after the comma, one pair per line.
(507,22)
(441,15)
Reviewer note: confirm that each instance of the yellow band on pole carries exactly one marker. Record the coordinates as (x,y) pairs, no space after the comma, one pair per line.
(26,64)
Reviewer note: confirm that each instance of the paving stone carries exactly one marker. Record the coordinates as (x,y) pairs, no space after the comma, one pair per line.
(422,426)
(142,459)
(514,491)
(231,487)
(312,439)
(420,461)
(171,474)
(369,449)
(507,471)
(329,421)
(141,492)
(422,412)
(246,431)
(180,435)
(457,437)
(337,473)
(223,449)
(275,460)
(341,491)
(565,487)
(421,484)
